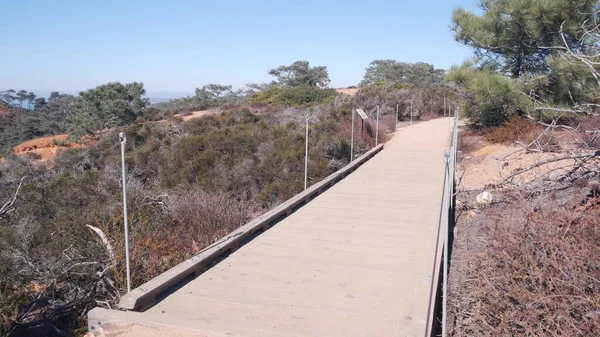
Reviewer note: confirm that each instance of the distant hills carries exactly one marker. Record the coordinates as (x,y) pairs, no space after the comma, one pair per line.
(153,96)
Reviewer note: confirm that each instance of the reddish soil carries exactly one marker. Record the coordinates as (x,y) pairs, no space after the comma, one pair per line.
(45,148)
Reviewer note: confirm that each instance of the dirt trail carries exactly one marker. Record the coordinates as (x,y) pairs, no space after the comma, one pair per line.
(348,91)
(492,163)
(196,114)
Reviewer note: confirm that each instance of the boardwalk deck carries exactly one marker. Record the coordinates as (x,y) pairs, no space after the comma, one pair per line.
(359,260)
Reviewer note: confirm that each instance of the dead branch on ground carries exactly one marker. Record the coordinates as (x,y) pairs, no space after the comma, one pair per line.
(548,161)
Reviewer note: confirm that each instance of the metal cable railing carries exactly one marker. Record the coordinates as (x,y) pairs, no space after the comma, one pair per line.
(448,207)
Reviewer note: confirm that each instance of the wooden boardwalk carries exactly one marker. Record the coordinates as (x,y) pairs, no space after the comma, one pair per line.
(359,260)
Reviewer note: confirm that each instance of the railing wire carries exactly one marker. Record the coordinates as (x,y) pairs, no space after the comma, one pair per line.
(448,207)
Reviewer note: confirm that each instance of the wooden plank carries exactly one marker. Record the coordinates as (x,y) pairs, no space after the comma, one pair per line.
(144,296)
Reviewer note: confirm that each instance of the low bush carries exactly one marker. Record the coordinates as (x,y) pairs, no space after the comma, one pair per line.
(34,156)
(59,142)
(536,270)
(198,219)
(490,99)
(416,101)
(524,131)
(293,96)
(516,129)
(470,141)
(590,132)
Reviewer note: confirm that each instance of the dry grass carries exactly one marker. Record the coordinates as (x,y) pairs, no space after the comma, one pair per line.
(192,221)
(517,129)
(523,131)
(470,141)
(589,136)
(348,91)
(200,219)
(528,266)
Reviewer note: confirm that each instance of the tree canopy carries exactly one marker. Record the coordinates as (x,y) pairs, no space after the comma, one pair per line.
(32,117)
(92,110)
(490,98)
(418,74)
(107,105)
(515,37)
(525,52)
(56,112)
(300,73)
(205,97)
(20,98)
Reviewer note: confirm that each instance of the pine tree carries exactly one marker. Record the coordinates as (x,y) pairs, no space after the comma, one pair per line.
(517,36)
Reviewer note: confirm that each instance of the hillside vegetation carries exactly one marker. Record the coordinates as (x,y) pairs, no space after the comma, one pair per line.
(189,182)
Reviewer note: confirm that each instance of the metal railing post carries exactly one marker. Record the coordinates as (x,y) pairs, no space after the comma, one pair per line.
(446,208)
(377,129)
(123,140)
(352,139)
(396,125)
(411,109)
(306,157)
(444,105)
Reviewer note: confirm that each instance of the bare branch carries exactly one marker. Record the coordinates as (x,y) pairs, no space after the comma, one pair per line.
(8,205)
(580,57)
(565,110)
(109,249)
(548,161)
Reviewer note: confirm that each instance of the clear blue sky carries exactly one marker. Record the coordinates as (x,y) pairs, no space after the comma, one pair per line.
(175,46)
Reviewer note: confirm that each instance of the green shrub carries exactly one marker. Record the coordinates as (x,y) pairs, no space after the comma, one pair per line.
(293,96)
(490,98)
(34,156)
(58,142)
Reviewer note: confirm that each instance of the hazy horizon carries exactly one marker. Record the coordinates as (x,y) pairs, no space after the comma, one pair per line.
(174,48)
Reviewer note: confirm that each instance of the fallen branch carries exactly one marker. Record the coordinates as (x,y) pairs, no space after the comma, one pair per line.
(109,248)
(579,112)
(553,125)
(571,129)
(548,161)
(536,140)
